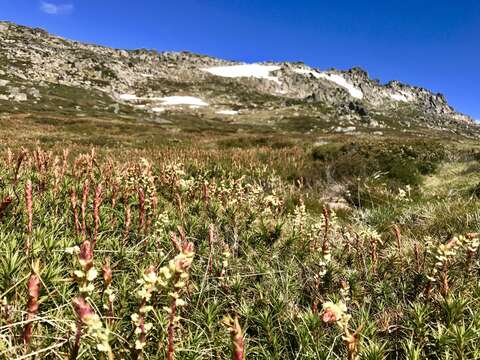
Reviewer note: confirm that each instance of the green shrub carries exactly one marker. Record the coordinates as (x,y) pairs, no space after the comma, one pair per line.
(402,162)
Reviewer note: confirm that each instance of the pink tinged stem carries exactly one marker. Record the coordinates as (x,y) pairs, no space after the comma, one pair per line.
(96,212)
(211,237)
(73,200)
(171,330)
(237,341)
(29,203)
(33,287)
(141,208)
(83,310)
(86,189)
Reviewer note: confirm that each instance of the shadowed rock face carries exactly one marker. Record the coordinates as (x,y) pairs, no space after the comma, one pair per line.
(31,61)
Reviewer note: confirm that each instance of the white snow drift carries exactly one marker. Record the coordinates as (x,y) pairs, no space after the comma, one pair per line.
(402,96)
(258,71)
(341,81)
(336,78)
(128,97)
(167,100)
(183,100)
(227,112)
(308,72)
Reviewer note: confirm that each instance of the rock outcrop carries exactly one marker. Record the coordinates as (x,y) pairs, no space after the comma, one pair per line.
(32,62)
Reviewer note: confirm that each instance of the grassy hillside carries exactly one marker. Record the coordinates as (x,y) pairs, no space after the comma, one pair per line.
(125,239)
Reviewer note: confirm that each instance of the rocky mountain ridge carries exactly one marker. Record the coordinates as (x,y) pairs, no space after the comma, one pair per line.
(37,68)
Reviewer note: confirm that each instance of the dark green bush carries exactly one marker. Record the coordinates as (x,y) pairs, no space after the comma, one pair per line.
(326,152)
(476,190)
(402,162)
(246,142)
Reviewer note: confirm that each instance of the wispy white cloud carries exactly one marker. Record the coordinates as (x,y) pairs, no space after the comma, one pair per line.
(56,9)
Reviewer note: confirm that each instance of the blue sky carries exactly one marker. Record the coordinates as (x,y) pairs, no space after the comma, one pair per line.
(430,43)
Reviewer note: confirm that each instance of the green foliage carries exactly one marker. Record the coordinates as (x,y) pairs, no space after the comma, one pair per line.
(402,162)
(265,248)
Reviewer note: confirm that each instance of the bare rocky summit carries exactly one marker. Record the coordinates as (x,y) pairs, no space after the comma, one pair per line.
(42,72)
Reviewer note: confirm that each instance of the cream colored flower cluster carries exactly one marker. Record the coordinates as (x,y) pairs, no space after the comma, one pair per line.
(299,218)
(173,276)
(226,255)
(148,285)
(442,254)
(87,274)
(176,274)
(336,313)
(471,242)
(95,329)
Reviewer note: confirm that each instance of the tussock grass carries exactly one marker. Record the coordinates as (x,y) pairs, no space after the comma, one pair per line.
(222,252)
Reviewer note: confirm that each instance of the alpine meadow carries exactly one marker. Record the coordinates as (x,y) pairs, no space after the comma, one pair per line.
(169,205)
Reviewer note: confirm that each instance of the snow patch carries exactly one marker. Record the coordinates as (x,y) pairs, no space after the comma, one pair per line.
(398,97)
(183,100)
(167,101)
(308,72)
(158,109)
(227,112)
(128,97)
(345,130)
(341,81)
(403,96)
(258,71)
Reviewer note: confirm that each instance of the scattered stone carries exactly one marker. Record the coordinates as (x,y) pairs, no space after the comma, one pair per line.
(34,92)
(116,108)
(18,96)
(345,130)
(347,100)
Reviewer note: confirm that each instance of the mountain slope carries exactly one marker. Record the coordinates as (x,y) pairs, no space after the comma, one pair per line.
(42,73)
